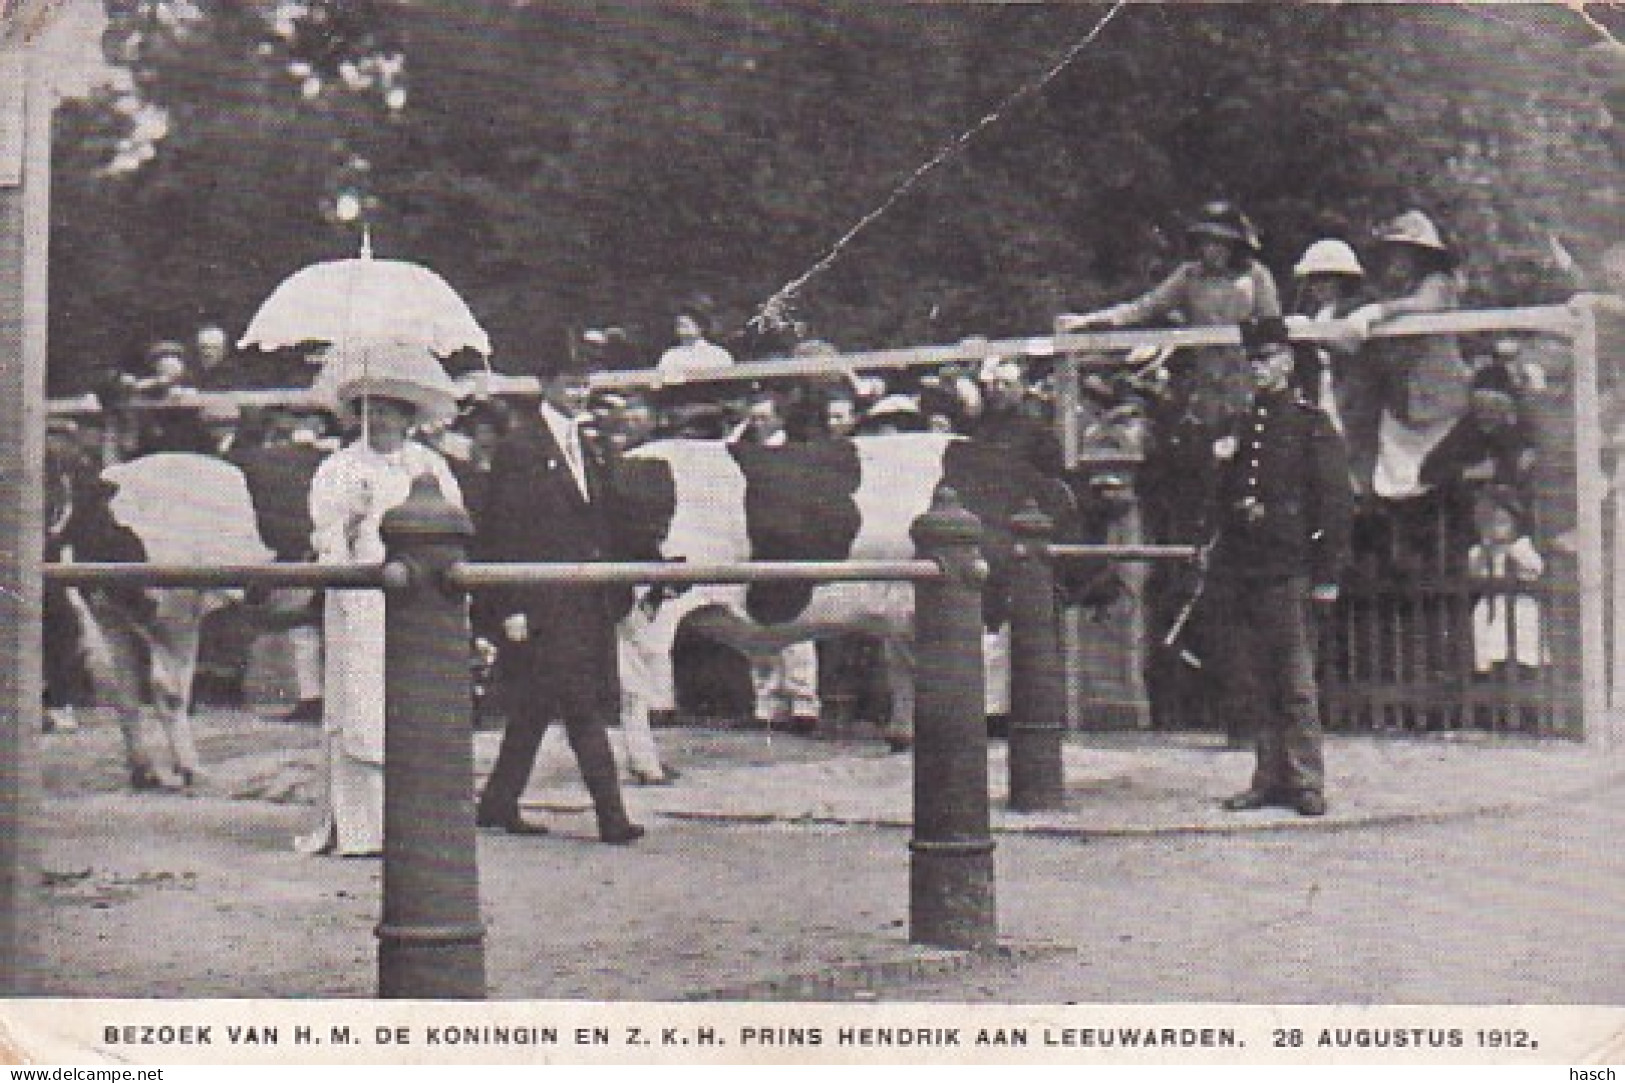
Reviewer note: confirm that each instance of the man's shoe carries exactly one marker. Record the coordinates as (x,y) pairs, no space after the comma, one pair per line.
(513,823)
(1310,803)
(307,712)
(145,778)
(898,740)
(1250,799)
(624,835)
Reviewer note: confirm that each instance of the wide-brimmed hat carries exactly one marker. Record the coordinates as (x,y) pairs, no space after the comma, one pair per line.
(1328,257)
(894,405)
(998,370)
(902,411)
(165,348)
(1225,220)
(386,370)
(1416,230)
(700,308)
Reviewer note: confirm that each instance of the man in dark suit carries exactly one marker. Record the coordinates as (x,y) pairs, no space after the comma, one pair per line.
(1282,510)
(545,501)
(1006,422)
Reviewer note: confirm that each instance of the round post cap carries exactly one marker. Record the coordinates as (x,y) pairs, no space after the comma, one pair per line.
(947,524)
(1031,521)
(426,512)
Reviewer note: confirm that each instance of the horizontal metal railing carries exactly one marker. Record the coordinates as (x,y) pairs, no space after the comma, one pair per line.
(474,576)
(223,576)
(477,575)
(481,575)
(1551,319)
(1122,552)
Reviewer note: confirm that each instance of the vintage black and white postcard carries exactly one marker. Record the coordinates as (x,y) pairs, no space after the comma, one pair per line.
(729,532)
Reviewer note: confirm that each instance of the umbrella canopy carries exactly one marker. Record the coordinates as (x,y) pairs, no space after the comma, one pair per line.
(386,368)
(366,299)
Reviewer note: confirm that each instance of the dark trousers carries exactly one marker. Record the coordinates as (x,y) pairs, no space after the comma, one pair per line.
(531,707)
(66,682)
(1267,666)
(852,680)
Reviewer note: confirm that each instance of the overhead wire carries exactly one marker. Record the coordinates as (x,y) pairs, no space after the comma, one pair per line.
(777,310)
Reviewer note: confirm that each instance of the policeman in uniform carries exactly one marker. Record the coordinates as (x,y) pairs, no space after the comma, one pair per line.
(1281,522)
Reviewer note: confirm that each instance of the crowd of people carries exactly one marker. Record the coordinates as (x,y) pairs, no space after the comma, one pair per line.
(1445,459)
(1459,451)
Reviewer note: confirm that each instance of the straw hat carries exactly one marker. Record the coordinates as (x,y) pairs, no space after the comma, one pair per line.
(895,409)
(165,348)
(1415,229)
(1329,257)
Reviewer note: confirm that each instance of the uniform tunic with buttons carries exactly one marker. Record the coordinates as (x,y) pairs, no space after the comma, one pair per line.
(1283,499)
(1282,510)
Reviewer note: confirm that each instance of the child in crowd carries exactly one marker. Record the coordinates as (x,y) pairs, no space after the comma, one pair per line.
(1506,624)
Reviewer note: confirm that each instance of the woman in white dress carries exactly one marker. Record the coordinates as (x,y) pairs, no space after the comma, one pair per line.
(351,492)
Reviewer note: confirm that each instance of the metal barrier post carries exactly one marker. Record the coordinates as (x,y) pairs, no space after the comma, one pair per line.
(1037,690)
(951,880)
(1069,423)
(431,939)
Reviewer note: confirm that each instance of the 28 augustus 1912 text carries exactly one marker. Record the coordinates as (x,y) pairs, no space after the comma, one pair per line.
(1443,1038)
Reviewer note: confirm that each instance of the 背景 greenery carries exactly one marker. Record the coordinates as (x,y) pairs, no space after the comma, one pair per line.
(577,164)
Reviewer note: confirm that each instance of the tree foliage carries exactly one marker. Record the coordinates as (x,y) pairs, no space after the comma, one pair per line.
(569,165)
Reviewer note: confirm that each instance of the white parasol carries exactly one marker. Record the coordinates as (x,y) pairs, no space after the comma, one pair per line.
(366,299)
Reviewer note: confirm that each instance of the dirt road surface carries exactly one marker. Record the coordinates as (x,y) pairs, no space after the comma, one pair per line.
(1476,871)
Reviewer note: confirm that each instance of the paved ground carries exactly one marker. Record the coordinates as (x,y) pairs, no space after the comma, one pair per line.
(1476,870)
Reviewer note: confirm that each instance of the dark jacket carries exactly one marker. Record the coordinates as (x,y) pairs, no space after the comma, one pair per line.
(1026,437)
(1282,503)
(279,480)
(1176,479)
(1497,453)
(533,511)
